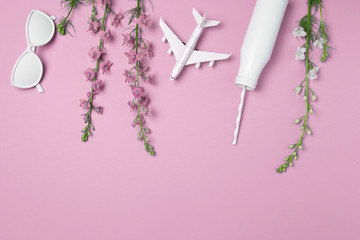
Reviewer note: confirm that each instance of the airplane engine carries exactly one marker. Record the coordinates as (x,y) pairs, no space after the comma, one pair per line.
(211,64)
(163,39)
(197,65)
(169,51)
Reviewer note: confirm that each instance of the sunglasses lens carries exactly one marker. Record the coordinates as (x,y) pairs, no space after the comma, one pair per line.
(27,71)
(40,28)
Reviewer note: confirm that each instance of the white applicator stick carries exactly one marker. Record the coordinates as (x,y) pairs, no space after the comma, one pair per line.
(238,119)
(257,46)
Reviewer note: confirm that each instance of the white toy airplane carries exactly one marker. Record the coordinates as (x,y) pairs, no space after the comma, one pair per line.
(186,54)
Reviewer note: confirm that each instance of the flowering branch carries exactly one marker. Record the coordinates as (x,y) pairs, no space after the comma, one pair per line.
(140,50)
(306,28)
(97,54)
(64,22)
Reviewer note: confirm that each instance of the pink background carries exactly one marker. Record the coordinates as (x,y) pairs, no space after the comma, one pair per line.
(198,186)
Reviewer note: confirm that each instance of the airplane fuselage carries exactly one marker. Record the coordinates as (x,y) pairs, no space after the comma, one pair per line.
(189,49)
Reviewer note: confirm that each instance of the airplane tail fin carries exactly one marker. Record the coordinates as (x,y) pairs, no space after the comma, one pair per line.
(199,18)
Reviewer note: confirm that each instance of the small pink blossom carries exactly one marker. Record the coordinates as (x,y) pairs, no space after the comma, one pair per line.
(105,67)
(97,86)
(84,104)
(116,19)
(89,74)
(144,100)
(128,40)
(146,111)
(147,51)
(94,26)
(143,21)
(133,106)
(147,79)
(106,35)
(138,120)
(128,76)
(144,69)
(99,110)
(133,56)
(95,53)
(137,91)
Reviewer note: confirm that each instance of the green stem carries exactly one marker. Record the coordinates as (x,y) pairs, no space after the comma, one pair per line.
(72,7)
(137,83)
(96,70)
(93,10)
(307,60)
(289,160)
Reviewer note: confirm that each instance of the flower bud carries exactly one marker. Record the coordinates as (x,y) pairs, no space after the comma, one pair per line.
(305,98)
(311,110)
(297,121)
(61,29)
(292,146)
(308,131)
(314,97)
(298,90)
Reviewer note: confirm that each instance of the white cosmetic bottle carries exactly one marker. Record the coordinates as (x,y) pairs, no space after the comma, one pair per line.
(258,45)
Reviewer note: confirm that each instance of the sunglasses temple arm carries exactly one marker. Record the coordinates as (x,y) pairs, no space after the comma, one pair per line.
(39,88)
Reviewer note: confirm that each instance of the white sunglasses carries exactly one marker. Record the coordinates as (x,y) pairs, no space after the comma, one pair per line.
(28,69)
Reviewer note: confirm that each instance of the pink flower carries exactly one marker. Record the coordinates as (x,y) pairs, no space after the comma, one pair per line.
(143,21)
(90,74)
(128,40)
(144,100)
(147,79)
(144,69)
(137,91)
(105,67)
(106,35)
(147,51)
(94,26)
(95,53)
(116,19)
(97,85)
(138,120)
(99,110)
(133,56)
(103,2)
(88,94)
(133,106)
(128,76)
(146,110)
(84,104)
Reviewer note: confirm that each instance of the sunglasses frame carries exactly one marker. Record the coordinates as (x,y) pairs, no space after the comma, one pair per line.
(31,49)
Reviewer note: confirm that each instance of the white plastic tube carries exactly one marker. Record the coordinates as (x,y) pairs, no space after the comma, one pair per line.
(257,47)
(259,40)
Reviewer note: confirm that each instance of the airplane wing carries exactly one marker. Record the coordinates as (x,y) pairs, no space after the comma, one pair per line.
(177,46)
(200,56)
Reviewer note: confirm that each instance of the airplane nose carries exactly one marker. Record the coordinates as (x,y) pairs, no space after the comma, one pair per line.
(172,78)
